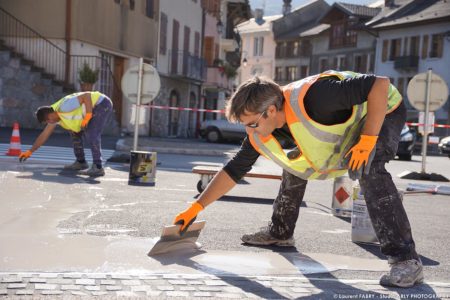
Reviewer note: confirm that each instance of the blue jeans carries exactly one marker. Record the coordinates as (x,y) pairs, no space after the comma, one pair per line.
(384,205)
(93,132)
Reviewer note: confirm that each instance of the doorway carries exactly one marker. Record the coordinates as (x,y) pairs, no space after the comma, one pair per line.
(174,115)
(192,115)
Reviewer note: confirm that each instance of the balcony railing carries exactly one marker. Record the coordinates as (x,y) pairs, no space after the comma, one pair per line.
(407,63)
(184,64)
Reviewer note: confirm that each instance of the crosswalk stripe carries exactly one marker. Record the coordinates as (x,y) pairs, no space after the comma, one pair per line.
(53,153)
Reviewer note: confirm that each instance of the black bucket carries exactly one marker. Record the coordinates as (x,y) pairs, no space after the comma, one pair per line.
(142,168)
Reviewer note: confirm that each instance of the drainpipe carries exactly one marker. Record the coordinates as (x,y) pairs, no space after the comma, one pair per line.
(68,38)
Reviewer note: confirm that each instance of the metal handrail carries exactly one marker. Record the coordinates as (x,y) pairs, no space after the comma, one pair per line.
(43,53)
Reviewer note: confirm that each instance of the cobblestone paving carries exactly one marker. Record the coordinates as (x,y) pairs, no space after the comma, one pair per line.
(168,286)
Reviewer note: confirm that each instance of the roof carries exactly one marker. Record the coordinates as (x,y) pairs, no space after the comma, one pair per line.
(294,34)
(252,26)
(301,19)
(361,12)
(315,30)
(358,10)
(411,11)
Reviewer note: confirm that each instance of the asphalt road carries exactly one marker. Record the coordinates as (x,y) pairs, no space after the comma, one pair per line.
(73,215)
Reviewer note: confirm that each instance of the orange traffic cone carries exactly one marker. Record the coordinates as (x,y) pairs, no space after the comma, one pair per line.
(14,147)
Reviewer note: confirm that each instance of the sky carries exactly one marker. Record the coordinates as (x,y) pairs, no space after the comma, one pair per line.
(273,7)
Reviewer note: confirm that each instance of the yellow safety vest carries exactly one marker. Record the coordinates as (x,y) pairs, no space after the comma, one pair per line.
(322,147)
(72,120)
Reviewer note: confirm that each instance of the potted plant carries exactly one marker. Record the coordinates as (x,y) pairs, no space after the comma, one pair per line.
(87,77)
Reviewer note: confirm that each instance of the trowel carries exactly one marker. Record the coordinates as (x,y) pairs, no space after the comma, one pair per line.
(171,240)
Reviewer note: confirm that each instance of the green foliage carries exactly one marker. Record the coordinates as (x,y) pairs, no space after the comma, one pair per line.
(87,75)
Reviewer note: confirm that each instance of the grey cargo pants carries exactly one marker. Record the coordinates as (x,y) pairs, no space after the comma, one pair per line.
(384,205)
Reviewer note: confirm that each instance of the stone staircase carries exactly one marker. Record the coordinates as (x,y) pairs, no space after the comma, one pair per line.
(24,87)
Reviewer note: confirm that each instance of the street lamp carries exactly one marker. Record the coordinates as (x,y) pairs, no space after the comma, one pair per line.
(244,62)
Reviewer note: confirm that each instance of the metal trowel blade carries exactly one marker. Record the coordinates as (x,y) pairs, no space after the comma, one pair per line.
(171,239)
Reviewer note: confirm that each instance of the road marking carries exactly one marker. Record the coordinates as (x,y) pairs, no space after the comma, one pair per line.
(53,153)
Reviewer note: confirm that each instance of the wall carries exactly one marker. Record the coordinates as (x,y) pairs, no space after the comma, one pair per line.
(439,65)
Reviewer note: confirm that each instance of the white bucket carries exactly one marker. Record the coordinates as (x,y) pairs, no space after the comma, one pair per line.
(362,229)
(342,202)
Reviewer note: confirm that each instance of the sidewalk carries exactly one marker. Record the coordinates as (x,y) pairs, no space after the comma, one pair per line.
(192,286)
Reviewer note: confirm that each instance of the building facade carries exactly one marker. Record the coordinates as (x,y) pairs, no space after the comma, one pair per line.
(59,45)
(411,41)
(258,46)
(293,53)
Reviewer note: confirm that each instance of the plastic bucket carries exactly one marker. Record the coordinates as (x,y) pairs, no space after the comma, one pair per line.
(342,202)
(142,168)
(362,229)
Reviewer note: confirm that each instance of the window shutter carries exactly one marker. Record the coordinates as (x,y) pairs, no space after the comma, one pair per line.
(424,46)
(384,54)
(208,49)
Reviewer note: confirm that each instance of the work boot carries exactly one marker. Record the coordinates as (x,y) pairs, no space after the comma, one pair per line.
(404,274)
(93,171)
(76,166)
(263,238)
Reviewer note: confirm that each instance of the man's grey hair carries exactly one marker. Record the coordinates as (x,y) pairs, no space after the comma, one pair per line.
(253,96)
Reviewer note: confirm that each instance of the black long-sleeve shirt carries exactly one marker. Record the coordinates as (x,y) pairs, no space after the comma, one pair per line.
(328,101)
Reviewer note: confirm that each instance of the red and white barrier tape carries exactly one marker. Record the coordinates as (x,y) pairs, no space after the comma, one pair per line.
(434,125)
(217,111)
(221,111)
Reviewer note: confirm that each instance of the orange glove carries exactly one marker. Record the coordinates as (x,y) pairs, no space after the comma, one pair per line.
(187,217)
(25,155)
(361,151)
(86,120)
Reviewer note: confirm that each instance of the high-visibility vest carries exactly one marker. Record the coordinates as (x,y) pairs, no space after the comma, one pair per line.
(322,147)
(72,120)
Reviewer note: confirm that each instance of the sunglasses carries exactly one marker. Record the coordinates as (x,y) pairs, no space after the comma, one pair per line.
(255,124)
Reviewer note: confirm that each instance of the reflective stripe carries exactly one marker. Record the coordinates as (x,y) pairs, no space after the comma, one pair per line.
(262,147)
(322,135)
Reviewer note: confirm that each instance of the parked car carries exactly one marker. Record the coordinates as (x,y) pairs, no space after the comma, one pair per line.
(408,138)
(444,146)
(221,130)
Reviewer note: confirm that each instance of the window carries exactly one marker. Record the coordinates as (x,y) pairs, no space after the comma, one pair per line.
(258,44)
(292,49)
(339,62)
(360,64)
(371,63)
(305,48)
(384,54)
(342,35)
(414,46)
(279,74)
(163,34)
(425,46)
(291,73)
(149,8)
(395,48)
(405,46)
(323,64)
(303,71)
(436,45)
(281,50)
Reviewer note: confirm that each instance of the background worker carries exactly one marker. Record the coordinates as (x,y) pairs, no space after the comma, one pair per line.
(339,121)
(81,114)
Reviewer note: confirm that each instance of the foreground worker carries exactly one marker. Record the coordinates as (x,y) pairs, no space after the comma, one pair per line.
(81,114)
(339,121)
